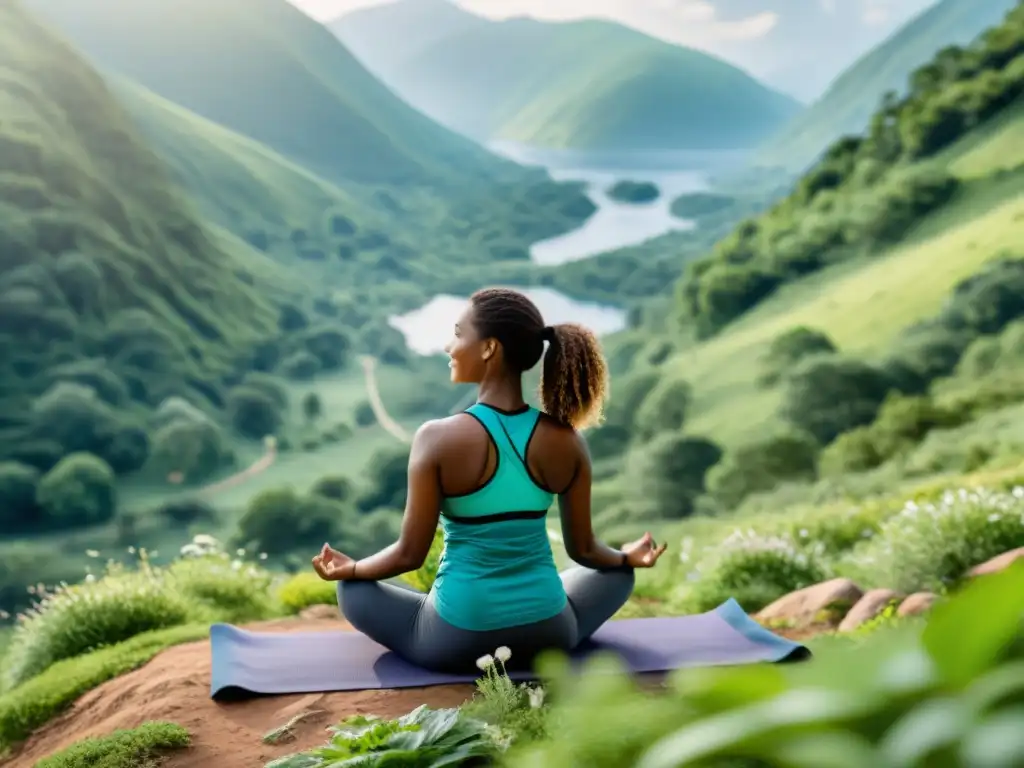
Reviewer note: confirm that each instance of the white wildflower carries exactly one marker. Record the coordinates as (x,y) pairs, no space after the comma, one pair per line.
(485,662)
(503,654)
(535,696)
(91,553)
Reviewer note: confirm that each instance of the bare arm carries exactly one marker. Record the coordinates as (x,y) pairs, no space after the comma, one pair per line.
(422,510)
(577,530)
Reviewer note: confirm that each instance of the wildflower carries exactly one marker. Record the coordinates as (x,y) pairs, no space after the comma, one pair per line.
(485,662)
(91,553)
(263,555)
(240,552)
(503,654)
(535,696)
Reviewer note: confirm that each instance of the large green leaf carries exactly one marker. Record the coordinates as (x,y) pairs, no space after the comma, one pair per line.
(966,635)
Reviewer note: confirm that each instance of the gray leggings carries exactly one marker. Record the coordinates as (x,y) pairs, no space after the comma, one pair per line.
(405,621)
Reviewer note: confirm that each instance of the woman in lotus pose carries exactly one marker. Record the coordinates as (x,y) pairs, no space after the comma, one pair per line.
(491,474)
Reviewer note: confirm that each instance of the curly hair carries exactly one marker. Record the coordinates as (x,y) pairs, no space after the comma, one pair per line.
(574,380)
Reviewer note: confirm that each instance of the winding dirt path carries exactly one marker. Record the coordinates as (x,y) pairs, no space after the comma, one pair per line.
(377,404)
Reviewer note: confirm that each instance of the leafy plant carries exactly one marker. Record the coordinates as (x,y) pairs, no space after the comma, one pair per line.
(424,738)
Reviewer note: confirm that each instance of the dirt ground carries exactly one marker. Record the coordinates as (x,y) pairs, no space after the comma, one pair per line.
(175,687)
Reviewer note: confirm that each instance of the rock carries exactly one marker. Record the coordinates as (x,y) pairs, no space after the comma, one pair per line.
(325,612)
(868,607)
(997,563)
(916,604)
(815,604)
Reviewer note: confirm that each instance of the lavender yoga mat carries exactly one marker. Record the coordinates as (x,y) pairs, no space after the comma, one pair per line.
(248,663)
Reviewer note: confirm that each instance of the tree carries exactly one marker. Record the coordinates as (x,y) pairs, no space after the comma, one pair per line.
(673,467)
(253,413)
(79,491)
(312,407)
(761,465)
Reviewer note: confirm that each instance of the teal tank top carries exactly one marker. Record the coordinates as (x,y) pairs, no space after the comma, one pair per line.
(497,569)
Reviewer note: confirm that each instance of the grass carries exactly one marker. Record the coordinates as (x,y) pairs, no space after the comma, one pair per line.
(45,696)
(135,748)
(861,306)
(995,146)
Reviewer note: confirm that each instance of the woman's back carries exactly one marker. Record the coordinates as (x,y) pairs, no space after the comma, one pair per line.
(500,471)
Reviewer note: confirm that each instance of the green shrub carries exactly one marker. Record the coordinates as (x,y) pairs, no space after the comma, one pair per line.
(73,416)
(312,407)
(947,695)
(664,408)
(761,465)
(673,467)
(121,749)
(45,696)
(279,520)
(187,511)
(194,448)
(18,484)
(70,621)
(330,346)
(78,491)
(337,487)
(788,349)
(270,385)
(253,413)
(755,570)
(364,415)
(300,366)
(387,480)
(305,589)
(932,545)
(222,589)
(828,396)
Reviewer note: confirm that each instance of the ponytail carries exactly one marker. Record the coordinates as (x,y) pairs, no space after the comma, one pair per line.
(574,382)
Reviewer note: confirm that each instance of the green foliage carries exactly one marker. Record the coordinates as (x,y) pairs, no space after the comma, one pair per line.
(253,413)
(195,448)
(424,738)
(45,696)
(695,205)
(121,749)
(669,471)
(67,621)
(423,577)
(78,491)
(300,366)
(788,349)
(186,512)
(305,589)
(387,481)
(859,195)
(312,407)
(826,397)
(761,464)
(755,570)
(270,385)
(947,696)
(279,521)
(663,409)
(931,545)
(18,508)
(626,191)
(336,487)
(330,346)
(901,423)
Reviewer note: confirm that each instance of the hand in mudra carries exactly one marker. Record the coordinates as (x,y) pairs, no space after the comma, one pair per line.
(644,552)
(332,565)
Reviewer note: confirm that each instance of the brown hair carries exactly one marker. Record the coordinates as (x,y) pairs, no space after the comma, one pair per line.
(574,381)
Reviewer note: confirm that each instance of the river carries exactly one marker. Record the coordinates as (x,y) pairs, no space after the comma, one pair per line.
(614,225)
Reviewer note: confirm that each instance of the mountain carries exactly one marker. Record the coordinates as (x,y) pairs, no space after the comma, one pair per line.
(581,84)
(107,272)
(848,104)
(267,71)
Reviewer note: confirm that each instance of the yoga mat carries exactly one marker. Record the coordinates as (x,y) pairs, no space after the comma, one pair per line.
(247,662)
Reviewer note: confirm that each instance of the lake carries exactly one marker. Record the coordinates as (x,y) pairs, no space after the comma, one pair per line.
(617,224)
(430,327)
(614,225)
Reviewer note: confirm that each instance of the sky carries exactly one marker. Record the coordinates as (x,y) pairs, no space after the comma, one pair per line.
(795,45)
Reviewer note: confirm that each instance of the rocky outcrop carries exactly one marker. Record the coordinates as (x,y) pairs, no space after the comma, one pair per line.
(916,604)
(868,607)
(824,603)
(998,563)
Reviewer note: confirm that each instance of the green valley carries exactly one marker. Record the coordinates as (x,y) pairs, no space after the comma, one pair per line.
(589,85)
(854,96)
